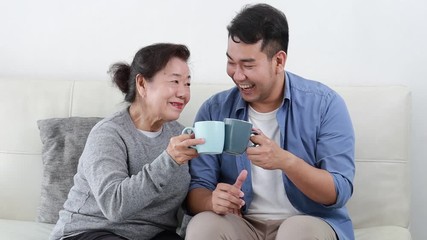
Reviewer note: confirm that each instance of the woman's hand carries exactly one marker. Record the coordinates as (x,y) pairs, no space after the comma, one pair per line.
(180,149)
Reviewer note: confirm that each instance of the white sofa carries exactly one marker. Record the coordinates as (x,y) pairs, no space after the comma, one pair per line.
(381,115)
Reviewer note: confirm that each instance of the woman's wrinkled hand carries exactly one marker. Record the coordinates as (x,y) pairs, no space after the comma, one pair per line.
(180,149)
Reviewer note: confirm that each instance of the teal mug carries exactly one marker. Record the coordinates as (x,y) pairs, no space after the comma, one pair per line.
(237,135)
(212,131)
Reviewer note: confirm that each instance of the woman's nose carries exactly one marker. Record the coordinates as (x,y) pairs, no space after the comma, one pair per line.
(182,91)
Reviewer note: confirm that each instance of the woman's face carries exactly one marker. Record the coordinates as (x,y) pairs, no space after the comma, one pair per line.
(168,92)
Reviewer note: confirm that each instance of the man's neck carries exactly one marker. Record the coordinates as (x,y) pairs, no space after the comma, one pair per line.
(274,100)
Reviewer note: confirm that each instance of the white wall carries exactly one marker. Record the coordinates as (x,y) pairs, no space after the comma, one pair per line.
(337,42)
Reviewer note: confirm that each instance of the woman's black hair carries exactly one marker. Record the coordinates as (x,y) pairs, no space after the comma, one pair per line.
(147,62)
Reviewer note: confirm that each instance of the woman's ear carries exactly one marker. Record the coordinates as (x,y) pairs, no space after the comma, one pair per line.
(140,85)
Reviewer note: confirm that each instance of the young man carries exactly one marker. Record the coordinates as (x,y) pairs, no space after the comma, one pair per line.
(295,183)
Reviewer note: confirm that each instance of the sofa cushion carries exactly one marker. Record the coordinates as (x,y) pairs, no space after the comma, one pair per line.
(24,230)
(389,232)
(63,141)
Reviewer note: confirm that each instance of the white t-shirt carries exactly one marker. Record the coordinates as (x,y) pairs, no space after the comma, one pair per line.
(151,134)
(270,201)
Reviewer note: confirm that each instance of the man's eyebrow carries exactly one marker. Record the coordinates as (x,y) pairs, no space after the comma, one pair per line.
(241,60)
(228,56)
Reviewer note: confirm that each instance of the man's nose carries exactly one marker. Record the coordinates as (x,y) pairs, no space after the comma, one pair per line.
(238,74)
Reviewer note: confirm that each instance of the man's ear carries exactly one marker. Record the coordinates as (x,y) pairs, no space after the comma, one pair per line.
(279,60)
(140,85)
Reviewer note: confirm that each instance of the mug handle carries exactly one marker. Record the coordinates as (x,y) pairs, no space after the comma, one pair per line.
(252,143)
(188,130)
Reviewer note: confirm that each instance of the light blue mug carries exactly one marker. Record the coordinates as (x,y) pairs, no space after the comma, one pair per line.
(214,134)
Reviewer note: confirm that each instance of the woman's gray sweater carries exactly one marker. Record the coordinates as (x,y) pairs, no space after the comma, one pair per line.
(126,183)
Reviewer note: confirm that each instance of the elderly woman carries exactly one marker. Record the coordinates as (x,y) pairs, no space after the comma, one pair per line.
(133,175)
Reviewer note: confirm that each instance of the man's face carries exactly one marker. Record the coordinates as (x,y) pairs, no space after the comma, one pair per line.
(254,74)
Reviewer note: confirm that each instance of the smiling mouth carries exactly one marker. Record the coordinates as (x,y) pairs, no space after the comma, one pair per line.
(246,86)
(177,105)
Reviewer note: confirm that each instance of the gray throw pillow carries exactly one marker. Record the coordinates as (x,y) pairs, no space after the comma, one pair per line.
(63,141)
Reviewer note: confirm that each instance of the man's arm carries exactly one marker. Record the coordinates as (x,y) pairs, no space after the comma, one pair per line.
(315,183)
(329,181)
(199,200)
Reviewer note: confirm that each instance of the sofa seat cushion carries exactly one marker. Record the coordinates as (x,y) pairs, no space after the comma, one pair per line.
(383,232)
(24,230)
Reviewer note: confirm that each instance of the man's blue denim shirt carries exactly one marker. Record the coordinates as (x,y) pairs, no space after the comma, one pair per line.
(314,125)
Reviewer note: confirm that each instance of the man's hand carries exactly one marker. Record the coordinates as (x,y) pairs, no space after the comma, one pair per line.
(227,198)
(267,154)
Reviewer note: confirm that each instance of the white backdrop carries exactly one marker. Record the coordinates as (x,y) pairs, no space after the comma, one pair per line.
(337,42)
